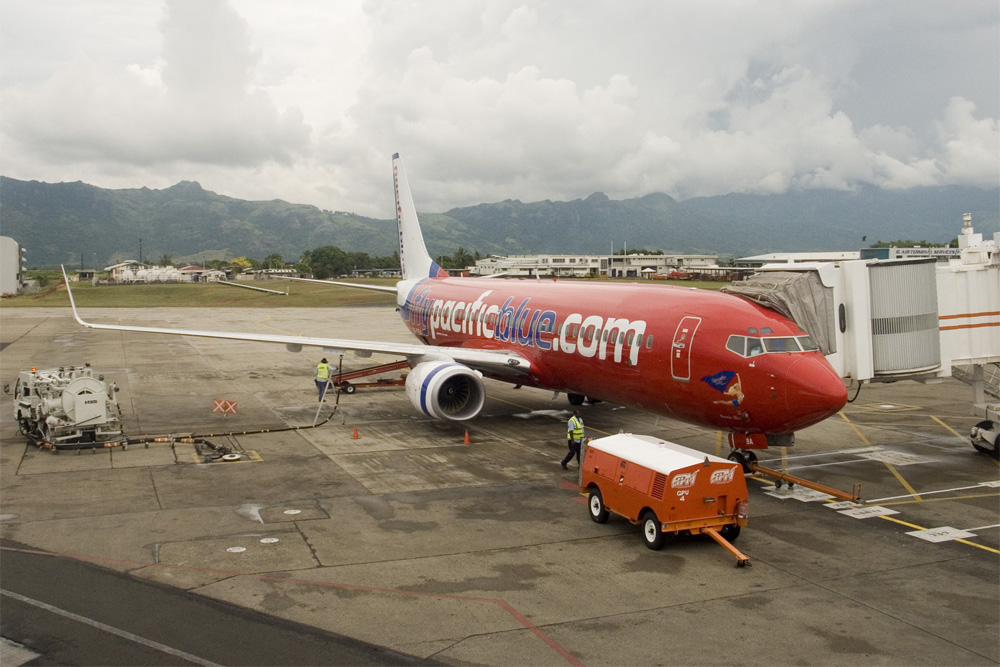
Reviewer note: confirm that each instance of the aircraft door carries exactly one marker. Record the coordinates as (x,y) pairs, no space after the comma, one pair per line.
(680,352)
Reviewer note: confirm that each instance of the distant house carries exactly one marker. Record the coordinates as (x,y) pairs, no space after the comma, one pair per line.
(125,272)
(199,274)
(267,274)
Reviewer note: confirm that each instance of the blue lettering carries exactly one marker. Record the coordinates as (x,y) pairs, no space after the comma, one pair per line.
(546,324)
(520,317)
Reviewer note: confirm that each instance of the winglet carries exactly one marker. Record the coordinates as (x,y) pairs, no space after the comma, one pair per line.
(416,261)
(72,303)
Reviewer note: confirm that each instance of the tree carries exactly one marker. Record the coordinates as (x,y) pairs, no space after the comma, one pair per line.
(165,260)
(273,261)
(241,263)
(329,261)
(459,259)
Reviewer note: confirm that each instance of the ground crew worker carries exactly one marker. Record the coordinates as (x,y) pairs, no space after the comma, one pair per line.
(574,438)
(322,377)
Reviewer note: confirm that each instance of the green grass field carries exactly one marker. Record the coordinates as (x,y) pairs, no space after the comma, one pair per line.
(203,295)
(213,295)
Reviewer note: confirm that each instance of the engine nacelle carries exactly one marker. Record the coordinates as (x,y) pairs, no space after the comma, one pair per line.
(446,390)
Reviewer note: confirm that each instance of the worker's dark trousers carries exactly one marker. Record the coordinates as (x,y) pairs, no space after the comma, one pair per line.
(574,450)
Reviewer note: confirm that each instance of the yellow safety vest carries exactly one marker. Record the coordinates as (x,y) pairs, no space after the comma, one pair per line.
(574,428)
(323,371)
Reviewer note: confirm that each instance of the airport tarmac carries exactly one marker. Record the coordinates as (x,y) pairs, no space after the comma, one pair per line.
(483,553)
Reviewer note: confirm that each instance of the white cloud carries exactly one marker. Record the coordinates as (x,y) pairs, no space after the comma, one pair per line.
(500,98)
(196,104)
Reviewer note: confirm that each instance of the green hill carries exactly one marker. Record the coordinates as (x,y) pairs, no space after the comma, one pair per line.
(60,222)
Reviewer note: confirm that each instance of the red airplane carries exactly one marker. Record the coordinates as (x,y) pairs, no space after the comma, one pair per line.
(699,356)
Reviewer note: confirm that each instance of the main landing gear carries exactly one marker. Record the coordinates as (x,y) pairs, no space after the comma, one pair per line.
(745,458)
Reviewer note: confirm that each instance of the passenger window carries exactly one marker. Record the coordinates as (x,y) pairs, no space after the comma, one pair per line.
(631,337)
(737,344)
(576,330)
(649,341)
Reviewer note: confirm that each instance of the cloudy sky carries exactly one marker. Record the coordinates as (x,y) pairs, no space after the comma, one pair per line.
(494,99)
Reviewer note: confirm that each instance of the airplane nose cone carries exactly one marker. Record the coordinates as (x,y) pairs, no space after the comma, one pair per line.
(813,391)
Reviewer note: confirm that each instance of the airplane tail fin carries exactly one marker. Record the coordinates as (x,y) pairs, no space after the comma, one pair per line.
(416,262)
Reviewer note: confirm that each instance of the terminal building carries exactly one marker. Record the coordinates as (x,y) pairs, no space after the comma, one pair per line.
(592,266)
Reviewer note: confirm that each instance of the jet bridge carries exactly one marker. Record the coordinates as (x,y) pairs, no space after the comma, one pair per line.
(909,319)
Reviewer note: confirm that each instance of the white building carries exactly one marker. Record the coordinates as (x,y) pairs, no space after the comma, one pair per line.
(11,266)
(757,261)
(583,266)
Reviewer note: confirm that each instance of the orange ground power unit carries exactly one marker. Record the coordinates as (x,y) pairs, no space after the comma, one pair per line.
(666,488)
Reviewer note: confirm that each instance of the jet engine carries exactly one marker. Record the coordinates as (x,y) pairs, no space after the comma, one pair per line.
(446,390)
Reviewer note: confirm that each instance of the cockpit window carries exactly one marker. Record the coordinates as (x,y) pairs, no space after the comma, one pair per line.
(807,343)
(781,345)
(737,344)
(751,346)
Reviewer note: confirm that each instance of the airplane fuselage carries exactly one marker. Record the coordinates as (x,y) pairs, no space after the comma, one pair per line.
(696,355)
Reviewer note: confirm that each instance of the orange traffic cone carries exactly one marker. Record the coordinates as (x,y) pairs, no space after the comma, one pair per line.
(355,436)
(466,441)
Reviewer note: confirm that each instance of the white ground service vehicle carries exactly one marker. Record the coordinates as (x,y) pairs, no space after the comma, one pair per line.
(67,408)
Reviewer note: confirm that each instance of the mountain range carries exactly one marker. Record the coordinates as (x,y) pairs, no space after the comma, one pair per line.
(79,223)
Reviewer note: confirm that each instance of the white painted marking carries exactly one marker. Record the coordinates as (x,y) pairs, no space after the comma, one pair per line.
(542,413)
(293,511)
(868,512)
(942,534)
(994,483)
(269,540)
(897,458)
(107,628)
(996,525)
(13,654)
(928,493)
(843,505)
(251,511)
(798,493)
(236,550)
(837,452)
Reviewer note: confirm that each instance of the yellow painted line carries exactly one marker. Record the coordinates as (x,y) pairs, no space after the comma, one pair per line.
(957,434)
(906,485)
(855,429)
(903,523)
(966,542)
(264,323)
(718,443)
(895,474)
(984,548)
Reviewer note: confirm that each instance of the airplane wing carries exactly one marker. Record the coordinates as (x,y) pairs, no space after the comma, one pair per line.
(488,361)
(374,288)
